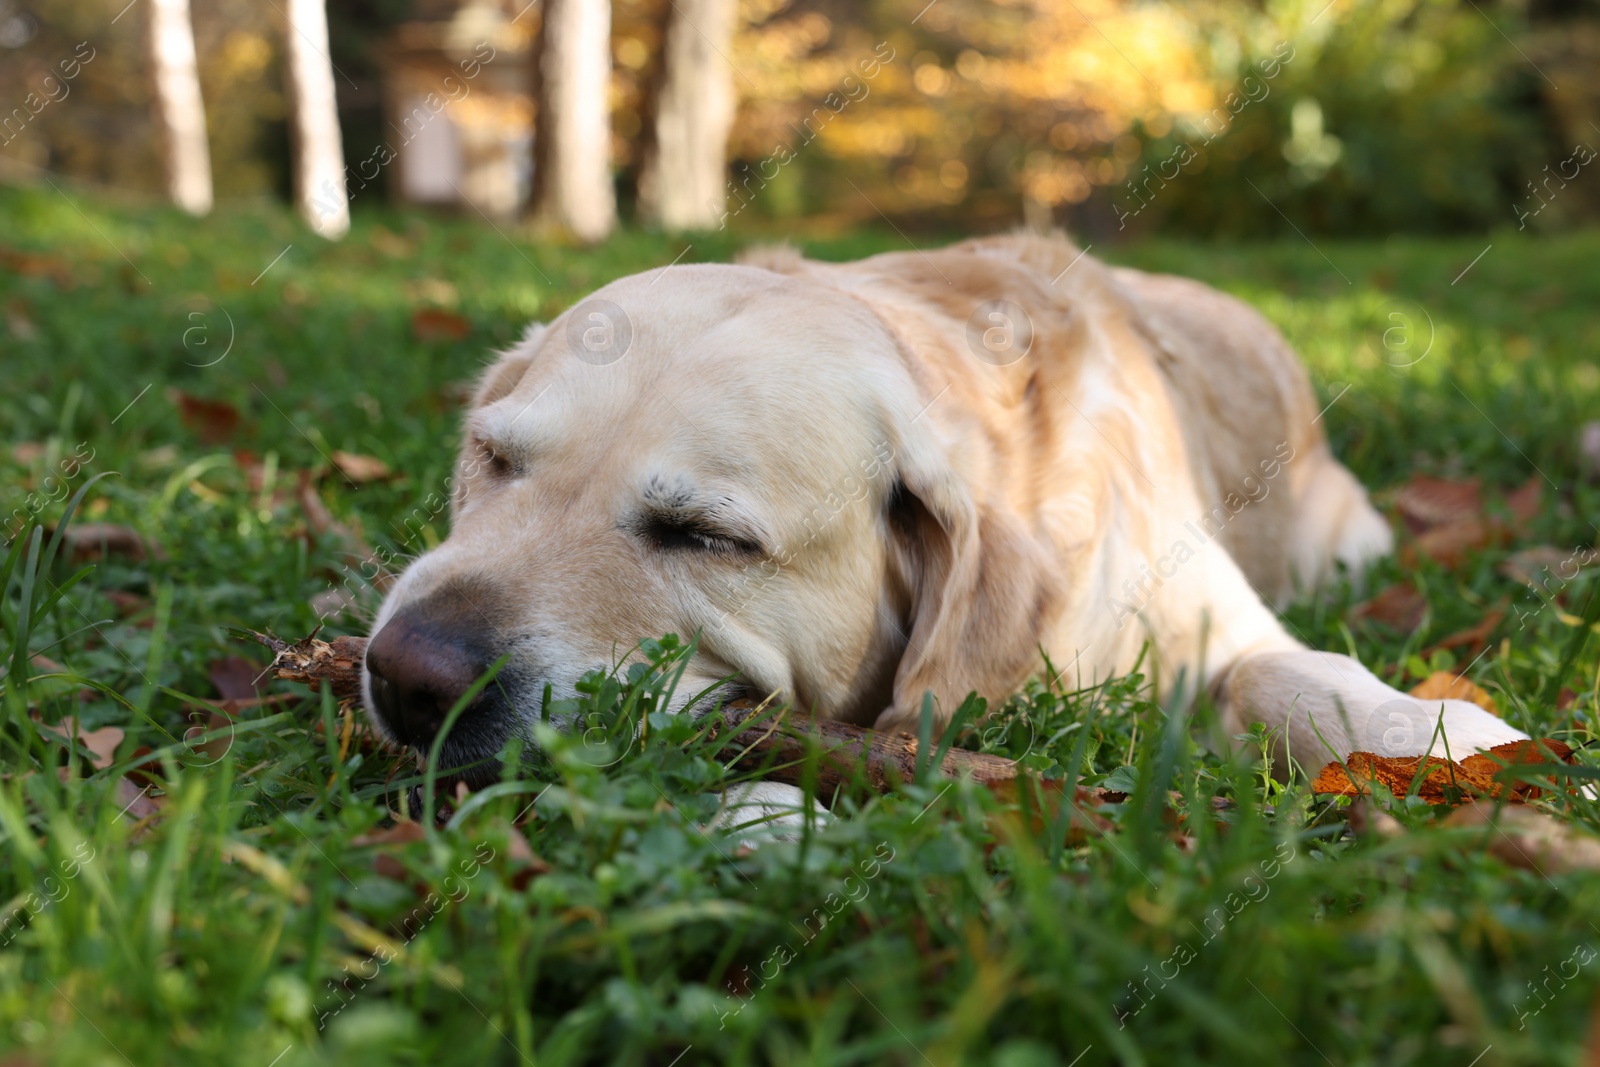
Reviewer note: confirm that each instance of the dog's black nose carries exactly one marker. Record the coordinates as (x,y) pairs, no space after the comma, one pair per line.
(419,669)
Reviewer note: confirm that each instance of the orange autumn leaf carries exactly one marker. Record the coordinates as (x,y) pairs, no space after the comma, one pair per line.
(1443,781)
(1442,685)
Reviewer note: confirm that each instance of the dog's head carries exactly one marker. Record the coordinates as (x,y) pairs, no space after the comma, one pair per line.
(720,451)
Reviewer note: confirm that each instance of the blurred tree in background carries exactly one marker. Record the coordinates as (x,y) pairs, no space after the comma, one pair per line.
(1108,116)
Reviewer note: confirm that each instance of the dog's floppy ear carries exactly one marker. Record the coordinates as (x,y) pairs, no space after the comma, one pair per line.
(504,374)
(981,588)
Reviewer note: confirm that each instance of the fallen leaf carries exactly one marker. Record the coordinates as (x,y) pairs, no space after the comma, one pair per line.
(1449,544)
(361,469)
(213,421)
(37,266)
(1366,818)
(436,324)
(87,541)
(1425,501)
(526,865)
(1442,685)
(1473,636)
(322,523)
(1524,501)
(1537,564)
(147,774)
(1443,781)
(135,800)
(1399,606)
(234,677)
(102,743)
(1528,838)
(125,602)
(393,837)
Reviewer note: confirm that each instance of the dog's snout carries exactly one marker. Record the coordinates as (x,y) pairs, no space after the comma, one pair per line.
(418,669)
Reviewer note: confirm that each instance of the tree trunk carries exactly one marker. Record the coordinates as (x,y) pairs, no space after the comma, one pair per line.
(572,133)
(318,156)
(180,113)
(684,183)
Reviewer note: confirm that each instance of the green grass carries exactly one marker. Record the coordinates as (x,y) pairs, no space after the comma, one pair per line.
(216,931)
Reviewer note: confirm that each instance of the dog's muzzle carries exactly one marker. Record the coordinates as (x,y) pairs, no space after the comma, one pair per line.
(419,666)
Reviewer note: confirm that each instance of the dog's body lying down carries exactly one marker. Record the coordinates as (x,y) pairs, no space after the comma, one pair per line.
(863,482)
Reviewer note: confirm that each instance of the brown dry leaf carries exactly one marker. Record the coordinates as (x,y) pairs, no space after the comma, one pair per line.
(1449,544)
(394,837)
(1523,502)
(1444,781)
(102,743)
(234,677)
(1085,821)
(250,465)
(87,541)
(125,602)
(213,421)
(525,863)
(1442,685)
(436,324)
(1447,519)
(37,266)
(361,469)
(1528,838)
(1400,606)
(135,800)
(1473,636)
(1425,501)
(145,773)
(322,523)
(1535,565)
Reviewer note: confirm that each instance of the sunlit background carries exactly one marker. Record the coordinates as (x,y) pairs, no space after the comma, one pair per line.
(1111,118)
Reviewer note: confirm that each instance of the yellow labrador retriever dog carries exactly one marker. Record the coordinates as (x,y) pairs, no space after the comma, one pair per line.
(864,482)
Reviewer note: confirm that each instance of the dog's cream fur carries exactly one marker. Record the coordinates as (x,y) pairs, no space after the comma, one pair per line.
(928,494)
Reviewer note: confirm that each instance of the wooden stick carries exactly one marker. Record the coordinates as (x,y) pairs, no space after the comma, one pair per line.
(313,661)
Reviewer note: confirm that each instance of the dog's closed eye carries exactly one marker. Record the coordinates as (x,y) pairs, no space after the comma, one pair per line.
(672,534)
(492,462)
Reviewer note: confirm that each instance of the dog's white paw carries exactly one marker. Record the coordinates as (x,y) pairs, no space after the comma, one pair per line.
(757,812)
